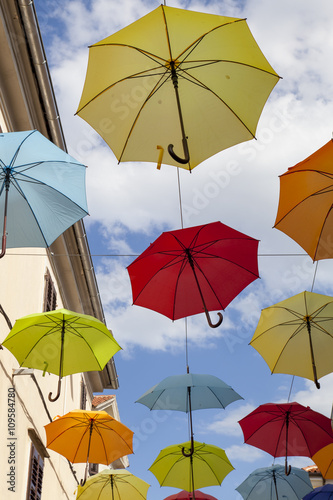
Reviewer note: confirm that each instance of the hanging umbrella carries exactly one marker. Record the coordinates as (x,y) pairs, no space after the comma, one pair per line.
(42,190)
(176,79)
(194,270)
(207,466)
(189,495)
(286,429)
(271,483)
(324,461)
(89,437)
(189,392)
(61,342)
(305,203)
(295,336)
(324,492)
(113,484)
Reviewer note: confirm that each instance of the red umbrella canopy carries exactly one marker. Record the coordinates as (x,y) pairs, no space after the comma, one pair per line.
(194,270)
(188,495)
(287,429)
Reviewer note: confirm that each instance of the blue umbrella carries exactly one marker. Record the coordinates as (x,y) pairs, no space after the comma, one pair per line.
(271,483)
(321,493)
(189,392)
(42,190)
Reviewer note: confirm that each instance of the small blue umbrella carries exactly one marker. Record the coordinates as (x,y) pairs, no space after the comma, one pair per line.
(189,392)
(321,493)
(42,190)
(271,483)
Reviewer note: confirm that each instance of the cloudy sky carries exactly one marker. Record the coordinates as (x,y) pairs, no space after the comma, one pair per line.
(132,203)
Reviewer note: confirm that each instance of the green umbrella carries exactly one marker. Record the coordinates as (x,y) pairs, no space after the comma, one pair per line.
(206,466)
(61,342)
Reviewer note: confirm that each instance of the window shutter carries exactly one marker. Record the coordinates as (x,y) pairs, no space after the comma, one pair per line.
(50,294)
(35,475)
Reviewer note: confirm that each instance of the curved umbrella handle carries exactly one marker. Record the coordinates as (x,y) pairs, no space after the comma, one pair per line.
(186,152)
(212,325)
(83,481)
(58,393)
(317,384)
(188,454)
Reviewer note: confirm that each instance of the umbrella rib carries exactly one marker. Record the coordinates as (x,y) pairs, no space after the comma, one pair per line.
(316,193)
(321,232)
(19,147)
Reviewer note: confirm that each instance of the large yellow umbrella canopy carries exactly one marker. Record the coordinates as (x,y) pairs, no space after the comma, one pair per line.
(176,77)
(62,342)
(305,204)
(113,484)
(295,336)
(89,437)
(207,466)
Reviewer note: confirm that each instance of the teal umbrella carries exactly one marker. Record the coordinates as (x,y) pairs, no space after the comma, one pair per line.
(42,190)
(271,483)
(189,392)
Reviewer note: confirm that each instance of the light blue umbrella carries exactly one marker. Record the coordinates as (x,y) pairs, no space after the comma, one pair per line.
(189,392)
(271,483)
(321,493)
(42,190)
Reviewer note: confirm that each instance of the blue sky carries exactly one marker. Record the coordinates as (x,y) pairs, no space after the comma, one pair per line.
(131,204)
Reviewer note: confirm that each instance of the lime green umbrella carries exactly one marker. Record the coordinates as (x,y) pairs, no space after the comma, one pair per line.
(176,466)
(61,342)
(113,484)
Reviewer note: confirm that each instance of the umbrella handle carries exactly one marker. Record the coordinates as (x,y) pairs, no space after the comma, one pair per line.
(83,481)
(212,325)
(187,454)
(58,393)
(186,152)
(287,469)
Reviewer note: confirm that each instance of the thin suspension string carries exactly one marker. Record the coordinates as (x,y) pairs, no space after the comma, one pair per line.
(182,226)
(293,377)
(314,276)
(180,200)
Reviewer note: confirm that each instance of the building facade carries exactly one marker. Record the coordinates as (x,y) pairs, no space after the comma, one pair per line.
(37,280)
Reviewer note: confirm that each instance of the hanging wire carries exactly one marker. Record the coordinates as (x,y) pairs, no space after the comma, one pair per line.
(314,276)
(291,387)
(180,200)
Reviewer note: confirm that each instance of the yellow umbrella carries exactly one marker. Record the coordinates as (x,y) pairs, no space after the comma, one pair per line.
(176,79)
(295,336)
(176,466)
(113,484)
(89,437)
(324,461)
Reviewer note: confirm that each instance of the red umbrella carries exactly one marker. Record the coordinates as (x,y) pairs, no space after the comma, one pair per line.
(287,429)
(188,495)
(194,270)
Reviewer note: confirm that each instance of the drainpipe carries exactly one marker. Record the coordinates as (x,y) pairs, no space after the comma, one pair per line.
(39,62)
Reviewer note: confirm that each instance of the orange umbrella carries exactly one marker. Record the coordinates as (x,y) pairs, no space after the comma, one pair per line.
(89,436)
(324,461)
(306,198)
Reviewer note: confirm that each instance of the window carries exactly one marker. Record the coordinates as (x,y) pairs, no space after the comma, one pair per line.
(83,399)
(93,469)
(35,478)
(50,294)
